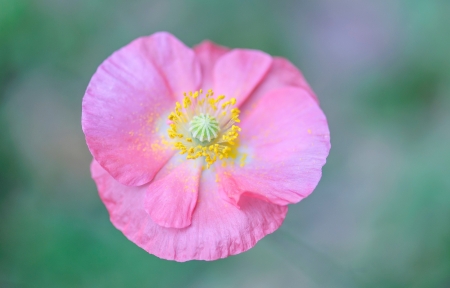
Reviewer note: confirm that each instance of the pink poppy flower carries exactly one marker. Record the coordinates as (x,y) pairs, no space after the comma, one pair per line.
(187,173)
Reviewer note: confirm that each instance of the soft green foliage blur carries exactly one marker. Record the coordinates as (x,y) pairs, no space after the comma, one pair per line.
(380,215)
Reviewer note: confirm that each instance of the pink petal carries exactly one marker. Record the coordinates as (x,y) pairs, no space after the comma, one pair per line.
(126,103)
(287,140)
(207,54)
(237,73)
(176,62)
(282,73)
(217,230)
(171,200)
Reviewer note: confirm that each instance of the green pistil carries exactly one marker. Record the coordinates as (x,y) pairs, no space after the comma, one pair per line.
(204,127)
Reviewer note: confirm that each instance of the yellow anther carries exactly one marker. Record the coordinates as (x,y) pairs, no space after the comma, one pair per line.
(186,102)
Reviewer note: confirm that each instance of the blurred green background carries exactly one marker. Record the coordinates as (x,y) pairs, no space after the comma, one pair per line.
(380,215)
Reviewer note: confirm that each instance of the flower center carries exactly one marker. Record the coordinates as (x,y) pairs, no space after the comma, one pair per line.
(203,126)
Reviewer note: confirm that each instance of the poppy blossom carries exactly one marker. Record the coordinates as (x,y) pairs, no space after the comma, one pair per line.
(197,152)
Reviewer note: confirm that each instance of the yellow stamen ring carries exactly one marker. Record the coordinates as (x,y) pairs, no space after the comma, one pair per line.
(204,127)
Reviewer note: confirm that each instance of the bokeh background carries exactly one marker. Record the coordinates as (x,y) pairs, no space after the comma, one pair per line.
(380,215)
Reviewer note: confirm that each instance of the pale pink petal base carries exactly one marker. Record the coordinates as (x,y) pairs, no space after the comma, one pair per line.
(218,229)
(286,138)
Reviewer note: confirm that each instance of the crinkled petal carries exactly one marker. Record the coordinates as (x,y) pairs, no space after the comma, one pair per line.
(126,103)
(207,54)
(285,139)
(171,199)
(282,73)
(218,229)
(238,72)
